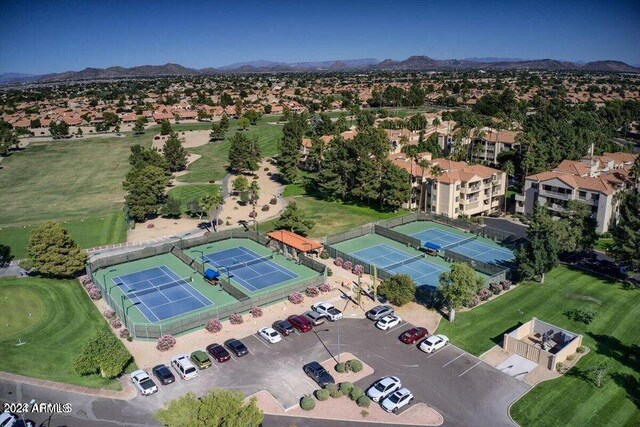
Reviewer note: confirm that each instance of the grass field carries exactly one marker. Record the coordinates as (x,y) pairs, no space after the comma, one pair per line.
(187,193)
(62,320)
(603,243)
(212,166)
(571,400)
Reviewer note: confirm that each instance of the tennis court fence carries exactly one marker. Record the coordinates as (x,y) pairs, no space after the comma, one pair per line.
(199,319)
(398,237)
(481,266)
(349,234)
(312,264)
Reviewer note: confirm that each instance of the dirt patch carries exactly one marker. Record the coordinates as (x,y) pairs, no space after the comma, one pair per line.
(351,377)
(191,139)
(494,356)
(161,227)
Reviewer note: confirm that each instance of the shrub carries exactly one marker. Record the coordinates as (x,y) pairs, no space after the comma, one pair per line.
(399,289)
(338,261)
(354,365)
(256,311)
(324,255)
(570,357)
(580,349)
(115,323)
(124,333)
(103,354)
(346,387)
(583,314)
(336,394)
(307,403)
(296,298)
(273,201)
(322,395)
(363,401)
(165,342)
(356,393)
(85,279)
(484,294)
(364,413)
(496,288)
(329,272)
(265,208)
(213,326)
(506,285)
(95,293)
(253,214)
(559,367)
(330,387)
(341,368)
(324,288)
(109,313)
(236,319)
(358,270)
(88,286)
(312,291)
(347,265)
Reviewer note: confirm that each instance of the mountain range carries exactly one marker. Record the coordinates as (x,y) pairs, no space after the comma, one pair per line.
(417,63)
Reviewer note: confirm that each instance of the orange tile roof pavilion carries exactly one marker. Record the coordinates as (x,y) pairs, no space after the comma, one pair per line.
(294,240)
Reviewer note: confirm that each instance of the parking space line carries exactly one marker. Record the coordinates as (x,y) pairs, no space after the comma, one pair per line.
(214,365)
(261,340)
(311,383)
(289,387)
(453,360)
(396,327)
(469,369)
(233,358)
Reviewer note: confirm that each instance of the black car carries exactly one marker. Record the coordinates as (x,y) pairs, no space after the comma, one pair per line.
(236,347)
(283,326)
(316,372)
(163,374)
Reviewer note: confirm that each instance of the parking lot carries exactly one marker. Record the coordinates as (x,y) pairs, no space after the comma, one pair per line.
(465,390)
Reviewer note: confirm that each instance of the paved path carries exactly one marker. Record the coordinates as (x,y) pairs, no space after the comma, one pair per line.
(12,270)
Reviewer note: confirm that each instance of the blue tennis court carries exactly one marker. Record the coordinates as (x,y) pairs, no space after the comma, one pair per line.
(249,269)
(465,245)
(160,293)
(394,261)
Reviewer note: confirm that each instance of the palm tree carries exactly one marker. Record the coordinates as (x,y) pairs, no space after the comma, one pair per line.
(211,203)
(436,122)
(424,164)
(480,134)
(508,169)
(254,195)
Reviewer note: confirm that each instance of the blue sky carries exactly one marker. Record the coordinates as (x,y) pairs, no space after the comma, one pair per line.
(54,36)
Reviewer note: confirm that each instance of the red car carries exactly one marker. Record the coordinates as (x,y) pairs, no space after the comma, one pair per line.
(299,322)
(412,335)
(218,352)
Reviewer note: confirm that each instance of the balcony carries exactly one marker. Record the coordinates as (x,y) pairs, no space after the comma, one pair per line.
(565,196)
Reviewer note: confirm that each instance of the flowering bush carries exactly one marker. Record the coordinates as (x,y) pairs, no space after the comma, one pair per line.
(165,342)
(109,313)
(95,294)
(236,319)
(347,265)
(312,291)
(85,279)
(338,262)
(485,294)
(115,323)
(506,285)
(324,288)
(296,298)
(358,270)
(256,311)
(213,326)
(124,333)
(496,288)
(89,286)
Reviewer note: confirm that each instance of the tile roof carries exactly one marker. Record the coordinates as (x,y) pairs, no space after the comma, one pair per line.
(294,240)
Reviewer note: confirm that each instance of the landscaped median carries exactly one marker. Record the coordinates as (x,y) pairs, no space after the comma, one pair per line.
(347,402)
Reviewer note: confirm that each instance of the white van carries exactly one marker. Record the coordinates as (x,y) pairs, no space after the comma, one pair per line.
(184,367)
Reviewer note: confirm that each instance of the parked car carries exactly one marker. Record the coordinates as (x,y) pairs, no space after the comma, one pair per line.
(236,347)
(283,327)
(7,419)
(316,372)
(398,399)
(184,367)
(314,317)
(328,310)
(388,322)
(143,382)
(218,352)
(301,323)
(412,335)
(270,334)
(383,388)
(379,311)
(433,343)
(200,359)
(163,374)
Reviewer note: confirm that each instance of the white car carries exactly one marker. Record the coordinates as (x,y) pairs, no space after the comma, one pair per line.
(388,322)
(383,387)
(328,310)
(397,400)
(143,382)
(184,367)
(270,334)
(433,343)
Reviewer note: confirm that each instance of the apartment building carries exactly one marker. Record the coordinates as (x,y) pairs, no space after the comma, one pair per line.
(488,143)
(594,180)
(460,188)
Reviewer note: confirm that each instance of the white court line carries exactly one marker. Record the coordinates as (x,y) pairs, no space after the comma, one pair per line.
(188,288)
(469,369)
(453,360)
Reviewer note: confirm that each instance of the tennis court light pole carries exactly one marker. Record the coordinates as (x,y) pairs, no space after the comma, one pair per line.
(124,311)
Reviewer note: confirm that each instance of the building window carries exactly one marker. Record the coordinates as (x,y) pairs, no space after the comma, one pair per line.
(582,194)
(457,198)
(456,210)
(534,185)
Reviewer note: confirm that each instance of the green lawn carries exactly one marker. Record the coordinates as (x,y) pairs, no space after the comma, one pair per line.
(101,229)
(603,243)
(62,320)
(571,400)
(187,193)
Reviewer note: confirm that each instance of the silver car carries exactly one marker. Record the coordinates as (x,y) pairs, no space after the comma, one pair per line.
(379,312)
(314,317)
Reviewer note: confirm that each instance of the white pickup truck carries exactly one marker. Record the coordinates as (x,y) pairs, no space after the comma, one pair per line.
(328,310)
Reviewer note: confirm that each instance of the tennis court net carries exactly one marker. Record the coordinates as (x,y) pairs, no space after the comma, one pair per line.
(251,262)
(461,242)
(133,293)
(401,263)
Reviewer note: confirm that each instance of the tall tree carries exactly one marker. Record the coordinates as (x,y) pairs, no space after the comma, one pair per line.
(581,224)
(138,128)
(224,123)
(217,133)
(141,156)
(211,203)
(53,252)
(289,150)
(244,153)
(145,190)
(458,286)
(165,127)
(175,153)
(395,188)
(626,235)
(294,220)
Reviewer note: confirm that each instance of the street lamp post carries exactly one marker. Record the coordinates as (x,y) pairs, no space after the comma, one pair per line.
(104,279)
(329,330)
